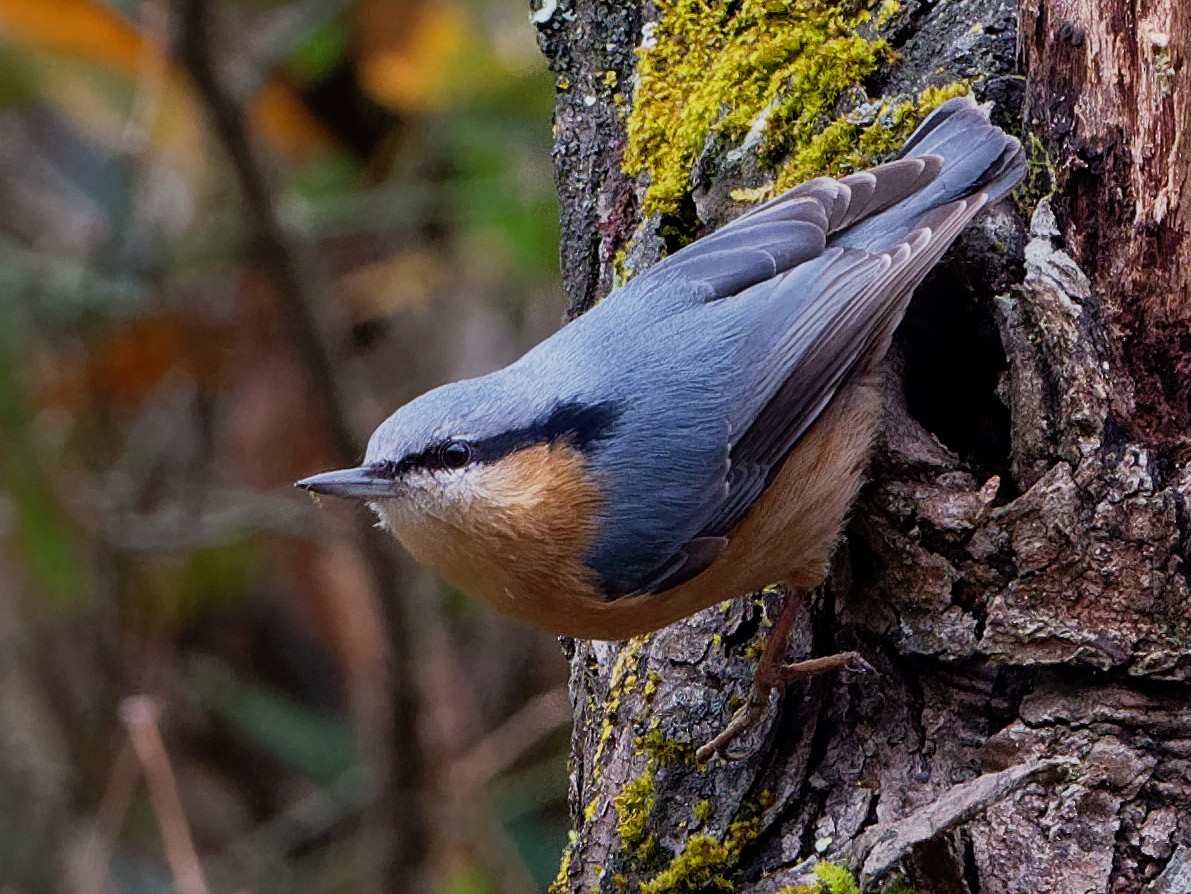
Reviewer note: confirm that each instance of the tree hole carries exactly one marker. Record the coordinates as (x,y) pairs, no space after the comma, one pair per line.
(953,362)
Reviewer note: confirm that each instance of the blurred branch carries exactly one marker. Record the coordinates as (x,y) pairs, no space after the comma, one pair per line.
(140,716)
(505,745)
(493,755)
(250,859)
(295,288)
(225,517)
(280,256)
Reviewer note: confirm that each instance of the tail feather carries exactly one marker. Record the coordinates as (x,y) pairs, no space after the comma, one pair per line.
(974,156)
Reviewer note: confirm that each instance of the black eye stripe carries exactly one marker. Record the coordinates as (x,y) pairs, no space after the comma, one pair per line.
(581,425)
(453,453)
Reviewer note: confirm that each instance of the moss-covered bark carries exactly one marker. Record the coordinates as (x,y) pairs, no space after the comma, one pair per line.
(1015,569)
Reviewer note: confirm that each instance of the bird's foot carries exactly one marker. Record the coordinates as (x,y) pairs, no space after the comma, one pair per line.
(782,675)
(768,678)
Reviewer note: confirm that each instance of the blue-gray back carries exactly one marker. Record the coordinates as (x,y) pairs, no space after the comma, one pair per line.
(722,356)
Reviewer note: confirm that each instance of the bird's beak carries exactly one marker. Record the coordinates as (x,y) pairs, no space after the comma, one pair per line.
(360,484)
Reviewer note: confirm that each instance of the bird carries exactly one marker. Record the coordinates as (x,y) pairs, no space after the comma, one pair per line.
(700,433)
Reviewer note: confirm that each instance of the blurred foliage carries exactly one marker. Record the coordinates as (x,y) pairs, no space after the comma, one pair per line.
(154,411)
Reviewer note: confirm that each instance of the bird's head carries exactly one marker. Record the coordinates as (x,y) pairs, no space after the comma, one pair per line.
(477,460)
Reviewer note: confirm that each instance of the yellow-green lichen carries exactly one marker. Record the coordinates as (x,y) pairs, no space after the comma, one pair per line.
(652,680)
(703,811)
(837,879)
(623,670)
(887,10)
(718,68)
(754,650)
(633,806)
(704,862)
(661,749)
(559,885)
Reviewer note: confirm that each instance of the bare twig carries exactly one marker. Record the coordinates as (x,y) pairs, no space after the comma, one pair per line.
(289,24)
(93,877)
(254,858)
(140,716)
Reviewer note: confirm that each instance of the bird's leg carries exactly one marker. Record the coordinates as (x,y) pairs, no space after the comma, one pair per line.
(774,673)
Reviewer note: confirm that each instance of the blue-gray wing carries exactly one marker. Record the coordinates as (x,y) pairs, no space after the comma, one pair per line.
(778,236)
(829,310)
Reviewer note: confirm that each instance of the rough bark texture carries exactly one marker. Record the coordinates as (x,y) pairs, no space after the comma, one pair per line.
(1016,568)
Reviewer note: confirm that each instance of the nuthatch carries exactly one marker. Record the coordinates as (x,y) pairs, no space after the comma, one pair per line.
(702,432)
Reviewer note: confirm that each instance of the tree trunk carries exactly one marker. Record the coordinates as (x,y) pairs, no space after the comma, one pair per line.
(1016,568)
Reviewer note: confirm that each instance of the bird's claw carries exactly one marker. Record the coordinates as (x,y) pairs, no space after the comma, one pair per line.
(768,678)
(857,666)
(744,719)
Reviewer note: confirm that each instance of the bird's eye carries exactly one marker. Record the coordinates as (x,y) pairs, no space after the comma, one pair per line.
(455,454)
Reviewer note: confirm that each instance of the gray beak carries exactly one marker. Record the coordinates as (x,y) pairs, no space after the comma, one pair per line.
(360,484)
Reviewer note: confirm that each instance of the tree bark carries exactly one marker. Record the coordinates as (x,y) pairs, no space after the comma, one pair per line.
(1015,569)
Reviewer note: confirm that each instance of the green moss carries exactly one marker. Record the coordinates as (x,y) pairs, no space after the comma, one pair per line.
(900,885)
(704,862)
(716,68)
(1041,179)
(850,143)
(621,681)
(703,811)
(888,10)
(633,805)
(837,879)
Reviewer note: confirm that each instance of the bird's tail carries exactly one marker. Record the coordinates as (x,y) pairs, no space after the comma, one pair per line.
(976,157)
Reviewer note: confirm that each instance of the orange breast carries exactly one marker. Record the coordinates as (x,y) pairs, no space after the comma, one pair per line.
(517,540)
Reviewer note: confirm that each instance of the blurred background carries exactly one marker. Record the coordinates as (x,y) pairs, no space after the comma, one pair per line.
(234,236)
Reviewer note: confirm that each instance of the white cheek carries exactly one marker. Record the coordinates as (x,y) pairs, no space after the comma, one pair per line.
(452,496)
(447,493)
